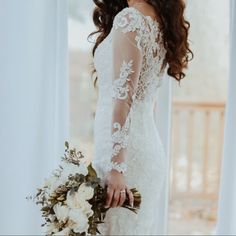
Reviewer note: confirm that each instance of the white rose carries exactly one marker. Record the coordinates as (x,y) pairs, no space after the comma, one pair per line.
(61,212)
(80,220)
(85,192)
(86,208)
(77,201)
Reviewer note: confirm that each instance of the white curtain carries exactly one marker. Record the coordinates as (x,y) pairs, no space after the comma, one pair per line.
(227,204)
(33,105)
(163,120)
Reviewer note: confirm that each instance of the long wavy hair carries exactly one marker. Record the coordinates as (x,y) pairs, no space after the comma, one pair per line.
(174,27)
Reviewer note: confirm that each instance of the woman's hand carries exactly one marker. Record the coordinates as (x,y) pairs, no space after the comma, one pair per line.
(115,182)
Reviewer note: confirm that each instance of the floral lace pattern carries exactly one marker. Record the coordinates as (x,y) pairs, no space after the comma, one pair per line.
(129,23)
(132,95)
(120,86)
(148,39)
(120,136)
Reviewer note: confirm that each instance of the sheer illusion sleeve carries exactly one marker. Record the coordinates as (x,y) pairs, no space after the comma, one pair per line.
(127,62)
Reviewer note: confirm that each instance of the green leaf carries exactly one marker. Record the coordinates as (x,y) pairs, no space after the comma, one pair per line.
(91,171)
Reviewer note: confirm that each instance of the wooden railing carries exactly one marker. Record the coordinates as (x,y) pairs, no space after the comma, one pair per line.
(197,140)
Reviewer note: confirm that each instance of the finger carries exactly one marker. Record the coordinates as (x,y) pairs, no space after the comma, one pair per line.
(110,192)
(131,197)
(116,198)
(122,199)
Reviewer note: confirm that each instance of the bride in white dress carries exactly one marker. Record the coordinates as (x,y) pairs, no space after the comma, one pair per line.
(130,57)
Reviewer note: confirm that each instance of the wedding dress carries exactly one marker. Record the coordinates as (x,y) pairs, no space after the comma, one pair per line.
(129,68)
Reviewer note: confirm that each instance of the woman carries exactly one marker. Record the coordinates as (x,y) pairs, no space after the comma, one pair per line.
(138,40)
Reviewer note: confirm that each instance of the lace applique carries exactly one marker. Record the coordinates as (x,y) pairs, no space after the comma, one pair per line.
(149,39)
(120,91)
(120,87)
(120,136)
(128,20)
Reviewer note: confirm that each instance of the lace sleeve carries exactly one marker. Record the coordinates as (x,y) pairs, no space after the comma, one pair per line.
(127,62)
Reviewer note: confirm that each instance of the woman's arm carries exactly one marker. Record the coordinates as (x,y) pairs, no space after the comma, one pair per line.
(127,62)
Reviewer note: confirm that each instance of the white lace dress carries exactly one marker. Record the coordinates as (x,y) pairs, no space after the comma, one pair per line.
(128,63)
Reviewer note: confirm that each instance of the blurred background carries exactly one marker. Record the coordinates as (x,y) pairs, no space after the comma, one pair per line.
(197,113)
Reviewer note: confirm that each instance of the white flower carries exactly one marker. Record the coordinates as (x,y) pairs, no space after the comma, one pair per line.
(80,220)
(85,192)
(61,212)
(79,199)
(65,231)
(68,168)
(51,228)
(52,183)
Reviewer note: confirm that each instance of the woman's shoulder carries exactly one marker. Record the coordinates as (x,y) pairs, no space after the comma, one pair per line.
(129,19)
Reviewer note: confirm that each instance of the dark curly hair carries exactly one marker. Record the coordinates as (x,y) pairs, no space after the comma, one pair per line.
(174,27)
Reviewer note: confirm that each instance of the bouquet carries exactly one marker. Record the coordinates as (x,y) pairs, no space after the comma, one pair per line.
(72,200)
